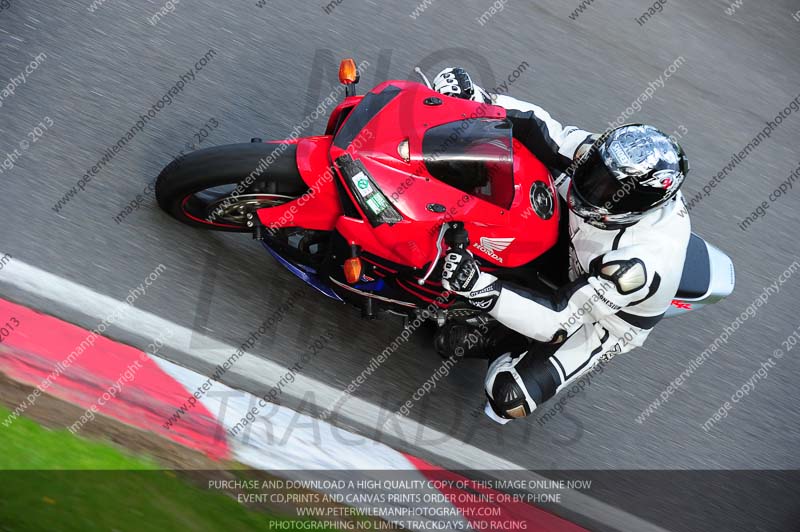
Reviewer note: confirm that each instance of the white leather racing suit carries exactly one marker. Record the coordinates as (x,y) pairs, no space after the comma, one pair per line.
(621,283)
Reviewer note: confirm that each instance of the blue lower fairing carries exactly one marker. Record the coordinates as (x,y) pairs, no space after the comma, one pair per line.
(307,276)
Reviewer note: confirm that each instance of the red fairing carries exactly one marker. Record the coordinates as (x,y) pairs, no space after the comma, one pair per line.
(504,228)
(339,111)
(319,208)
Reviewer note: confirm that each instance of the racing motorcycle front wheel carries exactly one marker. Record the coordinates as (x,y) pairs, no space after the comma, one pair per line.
(215,188)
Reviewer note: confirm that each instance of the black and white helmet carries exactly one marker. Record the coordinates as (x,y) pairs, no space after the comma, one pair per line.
(627,173)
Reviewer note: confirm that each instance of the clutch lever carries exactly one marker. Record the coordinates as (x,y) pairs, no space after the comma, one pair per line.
(457,237)
(435,260)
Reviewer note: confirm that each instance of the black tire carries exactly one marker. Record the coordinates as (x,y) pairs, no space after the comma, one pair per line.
(189,186)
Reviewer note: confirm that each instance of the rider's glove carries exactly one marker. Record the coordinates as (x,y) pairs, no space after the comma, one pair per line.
(457,83)
(462,275)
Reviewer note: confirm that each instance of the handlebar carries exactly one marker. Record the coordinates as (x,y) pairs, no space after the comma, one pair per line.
(457,237)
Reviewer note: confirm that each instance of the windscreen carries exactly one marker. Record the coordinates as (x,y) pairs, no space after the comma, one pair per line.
(473,155)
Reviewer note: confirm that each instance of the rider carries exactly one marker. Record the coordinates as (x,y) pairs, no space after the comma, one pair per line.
(628,232)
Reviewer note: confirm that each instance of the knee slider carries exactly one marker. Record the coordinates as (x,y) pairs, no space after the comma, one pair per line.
(507,398)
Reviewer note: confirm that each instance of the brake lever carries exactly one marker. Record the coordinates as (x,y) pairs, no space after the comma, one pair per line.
(418,70)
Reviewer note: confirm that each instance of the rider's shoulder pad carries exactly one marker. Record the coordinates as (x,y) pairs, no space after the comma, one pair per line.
(628,275)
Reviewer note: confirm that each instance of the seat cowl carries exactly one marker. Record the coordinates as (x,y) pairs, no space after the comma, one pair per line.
(696,277)
(708,277)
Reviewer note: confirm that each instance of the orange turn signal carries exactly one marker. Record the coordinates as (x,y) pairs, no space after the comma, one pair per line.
(352,270)
(348,74)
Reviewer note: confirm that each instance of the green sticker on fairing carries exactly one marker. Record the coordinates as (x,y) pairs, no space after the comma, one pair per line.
(377,203)
(362,184)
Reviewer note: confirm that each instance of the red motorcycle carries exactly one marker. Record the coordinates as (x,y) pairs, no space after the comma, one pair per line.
(364,213)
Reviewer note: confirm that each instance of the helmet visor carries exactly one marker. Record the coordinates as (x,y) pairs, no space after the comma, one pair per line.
(599,188)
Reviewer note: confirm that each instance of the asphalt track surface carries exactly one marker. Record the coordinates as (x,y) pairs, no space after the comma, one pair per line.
(274,64)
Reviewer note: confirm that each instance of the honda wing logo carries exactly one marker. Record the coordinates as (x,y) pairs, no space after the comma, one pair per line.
(496,244)
(493,246)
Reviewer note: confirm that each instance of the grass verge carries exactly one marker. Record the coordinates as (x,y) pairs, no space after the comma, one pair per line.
(53,480)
